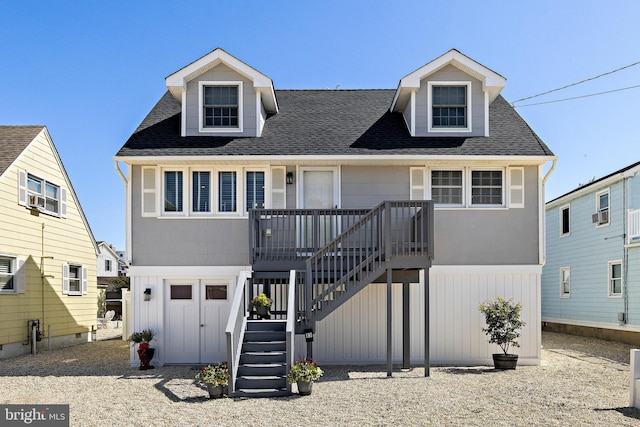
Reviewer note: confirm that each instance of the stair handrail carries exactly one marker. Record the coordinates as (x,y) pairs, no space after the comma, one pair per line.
(291,321)
(236,326)
(384,245)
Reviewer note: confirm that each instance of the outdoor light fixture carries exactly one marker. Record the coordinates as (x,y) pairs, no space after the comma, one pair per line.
(147,294)
(308,335)
(289,177)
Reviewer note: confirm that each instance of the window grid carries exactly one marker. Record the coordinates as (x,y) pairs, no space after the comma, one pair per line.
(50,192)
(486,187)
(449,106)
(446,187)
(220,106)
(75,279)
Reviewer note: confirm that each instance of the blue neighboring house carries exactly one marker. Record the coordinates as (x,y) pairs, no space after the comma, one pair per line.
(591,280)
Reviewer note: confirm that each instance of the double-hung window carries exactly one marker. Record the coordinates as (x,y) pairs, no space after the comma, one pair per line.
(74,279)
(565,282)
(173,191)
(602,207)
(227,191)
(446,187)
(615,278)
(7,273)
(43,194)
(220,106)
(449,106)
(487,187)
(201,191)
(107,265)
(254,190)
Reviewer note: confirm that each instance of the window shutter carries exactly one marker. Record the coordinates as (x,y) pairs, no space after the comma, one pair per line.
(417,183)
(149,192)
(65,279)
(20,277)
(278,187)
(84,280)
(22,188)
(63,202)
(516,187)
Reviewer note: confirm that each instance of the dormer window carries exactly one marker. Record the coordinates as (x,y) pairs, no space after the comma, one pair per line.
(449,106)
(220,106)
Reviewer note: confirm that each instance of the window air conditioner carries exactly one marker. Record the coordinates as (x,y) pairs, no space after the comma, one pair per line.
(600,217)
(36,201)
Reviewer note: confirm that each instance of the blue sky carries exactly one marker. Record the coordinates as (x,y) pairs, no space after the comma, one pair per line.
(90,71)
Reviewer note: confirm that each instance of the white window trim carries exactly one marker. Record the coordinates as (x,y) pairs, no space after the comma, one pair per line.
(61,199)
(430,86)
(598,194)
(65,279)
(430,187)
(203,129)
(564,294)
(238,212)
(610,292)
(563,208)
(14,268)
(469,186)
(186,179)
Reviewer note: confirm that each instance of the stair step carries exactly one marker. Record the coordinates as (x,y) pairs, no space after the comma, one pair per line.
(262,369)
(273,392)
(263,357)
(262,336)
(261,382)
(266,325)
(263,346)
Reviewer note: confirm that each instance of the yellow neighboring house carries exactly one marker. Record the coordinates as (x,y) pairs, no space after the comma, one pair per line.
(47,250)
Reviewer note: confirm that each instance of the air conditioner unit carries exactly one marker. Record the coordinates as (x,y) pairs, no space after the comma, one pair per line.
(600,217)
(36,201)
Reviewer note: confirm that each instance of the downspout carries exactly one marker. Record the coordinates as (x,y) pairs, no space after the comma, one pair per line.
(543,219)
(126,186)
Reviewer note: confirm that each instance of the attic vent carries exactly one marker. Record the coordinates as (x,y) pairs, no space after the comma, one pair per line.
(36,201)
(601,217)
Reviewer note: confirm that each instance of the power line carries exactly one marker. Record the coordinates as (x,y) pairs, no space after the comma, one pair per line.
(575,84)
(576,97)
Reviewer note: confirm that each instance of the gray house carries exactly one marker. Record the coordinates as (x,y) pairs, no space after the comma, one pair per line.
(377,220)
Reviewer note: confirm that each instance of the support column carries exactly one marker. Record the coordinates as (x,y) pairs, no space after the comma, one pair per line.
(426,323)
(406,327)
(389,337)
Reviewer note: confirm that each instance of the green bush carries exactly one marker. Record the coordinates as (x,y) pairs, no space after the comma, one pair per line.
(503,321)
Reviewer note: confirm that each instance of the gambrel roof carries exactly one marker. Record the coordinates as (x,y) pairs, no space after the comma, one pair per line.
(332,123)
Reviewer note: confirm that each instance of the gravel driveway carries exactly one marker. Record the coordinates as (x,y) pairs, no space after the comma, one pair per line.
(580,382)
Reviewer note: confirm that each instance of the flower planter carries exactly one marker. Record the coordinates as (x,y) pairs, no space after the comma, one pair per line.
(505,361)
(145,354)
(215,391)
(305,387)
(263,312)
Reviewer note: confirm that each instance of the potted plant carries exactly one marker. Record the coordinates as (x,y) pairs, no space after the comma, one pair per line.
(503,322)
(215,377)
(304,372)
(145,353)
(261,303)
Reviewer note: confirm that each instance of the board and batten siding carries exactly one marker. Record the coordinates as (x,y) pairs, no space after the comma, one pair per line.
(586,251)
(222,73)
(356,332)
(66,240)
(449,74)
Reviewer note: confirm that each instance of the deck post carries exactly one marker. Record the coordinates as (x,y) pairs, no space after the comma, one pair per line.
(406,330)
(426,323)
(389,337)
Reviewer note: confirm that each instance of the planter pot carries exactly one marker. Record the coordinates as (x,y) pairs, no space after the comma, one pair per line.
(263,312)
(145,354)
(305,387)
(505,361)
(215,391)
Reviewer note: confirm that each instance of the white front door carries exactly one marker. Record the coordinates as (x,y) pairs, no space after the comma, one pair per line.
(195,320)
(319,191)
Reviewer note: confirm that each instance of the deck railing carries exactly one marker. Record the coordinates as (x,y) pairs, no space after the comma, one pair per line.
(633,226)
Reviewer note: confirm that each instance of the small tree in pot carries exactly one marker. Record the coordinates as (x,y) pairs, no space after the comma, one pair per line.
(503,322)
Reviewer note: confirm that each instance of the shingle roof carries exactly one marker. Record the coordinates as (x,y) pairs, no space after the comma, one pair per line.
(332,122)
(13,141)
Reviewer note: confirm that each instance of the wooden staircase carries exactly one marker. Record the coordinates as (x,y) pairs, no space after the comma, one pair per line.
(262,371)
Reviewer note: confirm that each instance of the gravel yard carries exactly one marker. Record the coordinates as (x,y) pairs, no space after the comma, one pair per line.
(581,382)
